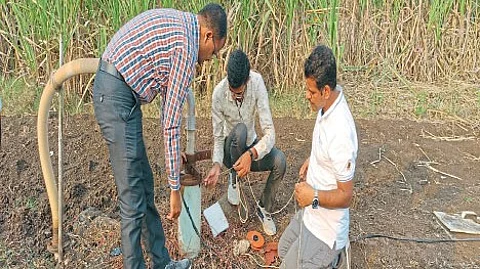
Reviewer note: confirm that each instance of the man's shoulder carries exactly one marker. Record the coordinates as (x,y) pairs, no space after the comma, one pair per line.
(255,76)
(257,83)
(169,12)
(341,125)
(221,87)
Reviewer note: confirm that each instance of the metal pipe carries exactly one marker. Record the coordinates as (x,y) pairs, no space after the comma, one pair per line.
(190,123)
(61,100)
(70,69)
(188,239)
(0,123)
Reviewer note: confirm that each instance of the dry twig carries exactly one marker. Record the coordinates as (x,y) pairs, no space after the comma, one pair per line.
(471,156)
(446,138)
(430,162)
(427,165)
(380,156)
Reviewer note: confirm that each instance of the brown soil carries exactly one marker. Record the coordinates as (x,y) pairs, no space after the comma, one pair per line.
(385,202)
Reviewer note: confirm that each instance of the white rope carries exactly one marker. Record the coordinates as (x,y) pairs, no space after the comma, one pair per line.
(243,204)
(243,219)
(285,206)
(258,264)
(224,172)
(299,254)
(347,254)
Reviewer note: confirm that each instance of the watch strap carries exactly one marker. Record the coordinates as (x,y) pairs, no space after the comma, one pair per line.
(315,201)
(250,151)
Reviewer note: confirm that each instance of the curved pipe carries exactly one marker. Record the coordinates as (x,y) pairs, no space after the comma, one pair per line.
(66,71)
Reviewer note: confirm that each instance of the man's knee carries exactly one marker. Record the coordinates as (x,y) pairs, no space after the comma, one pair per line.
(280,162)
(132,205)
(288,238)
(239,130)
(284,245)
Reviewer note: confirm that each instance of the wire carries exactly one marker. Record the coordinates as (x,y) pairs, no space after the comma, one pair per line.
(417,240)
(191,219)
(226,171)
(300,235)
(244,204)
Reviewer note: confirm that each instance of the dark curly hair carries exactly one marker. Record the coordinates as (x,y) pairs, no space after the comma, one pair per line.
(215,18)
(321,66)
(238,68)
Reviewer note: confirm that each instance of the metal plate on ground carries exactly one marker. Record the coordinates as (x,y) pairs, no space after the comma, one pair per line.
(216,219)
(455,223)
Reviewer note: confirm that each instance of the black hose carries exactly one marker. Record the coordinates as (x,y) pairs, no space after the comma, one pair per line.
(416,240)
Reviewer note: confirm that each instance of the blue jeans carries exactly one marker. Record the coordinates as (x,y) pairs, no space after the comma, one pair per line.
(117,110)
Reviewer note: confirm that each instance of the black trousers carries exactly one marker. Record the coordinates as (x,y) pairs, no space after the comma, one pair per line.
(117,110)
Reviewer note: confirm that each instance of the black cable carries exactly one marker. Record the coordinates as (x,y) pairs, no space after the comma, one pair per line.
(416,240)
(193,223)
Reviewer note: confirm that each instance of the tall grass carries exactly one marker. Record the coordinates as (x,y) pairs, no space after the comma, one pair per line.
(389,41)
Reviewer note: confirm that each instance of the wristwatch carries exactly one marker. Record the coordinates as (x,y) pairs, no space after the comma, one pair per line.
(250,152)
(315,202)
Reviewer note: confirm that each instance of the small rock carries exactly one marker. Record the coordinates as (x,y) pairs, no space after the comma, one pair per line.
(115,252)
(423,182)
(89,214)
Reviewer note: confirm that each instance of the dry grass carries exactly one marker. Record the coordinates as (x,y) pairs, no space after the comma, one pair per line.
(416,59)
(452,100)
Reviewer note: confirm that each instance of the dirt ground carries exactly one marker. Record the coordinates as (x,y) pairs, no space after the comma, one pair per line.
(394,196)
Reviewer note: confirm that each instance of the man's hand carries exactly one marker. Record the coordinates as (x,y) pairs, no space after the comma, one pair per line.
(212,177)
(242,165)
(304,194)
(184,157)
(304,169)
(175,205)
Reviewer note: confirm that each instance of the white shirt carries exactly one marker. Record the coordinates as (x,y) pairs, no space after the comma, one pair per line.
(332,160)
(226,114)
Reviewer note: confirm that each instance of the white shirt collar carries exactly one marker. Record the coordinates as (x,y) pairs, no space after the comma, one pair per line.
(320,116)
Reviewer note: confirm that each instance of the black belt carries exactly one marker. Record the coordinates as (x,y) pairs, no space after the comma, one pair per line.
(110,69)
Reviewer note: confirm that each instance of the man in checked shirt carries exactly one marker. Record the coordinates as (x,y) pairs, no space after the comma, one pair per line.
(237,100)
(154,53)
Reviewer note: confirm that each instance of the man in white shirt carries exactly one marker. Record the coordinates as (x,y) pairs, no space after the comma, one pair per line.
(237,99)
(318,233)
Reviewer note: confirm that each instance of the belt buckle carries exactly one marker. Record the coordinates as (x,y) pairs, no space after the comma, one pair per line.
(110,69)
